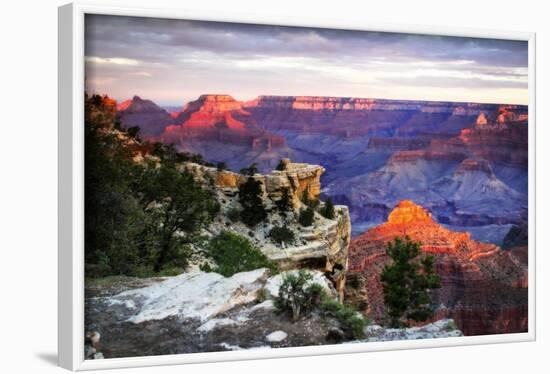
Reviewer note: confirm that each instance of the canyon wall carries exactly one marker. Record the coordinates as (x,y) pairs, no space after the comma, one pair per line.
(484,288)
(358,116)
(376,152)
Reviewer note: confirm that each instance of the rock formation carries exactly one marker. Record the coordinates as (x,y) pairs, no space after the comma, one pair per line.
(219,118)
(211,111)
(149,117)
(484,289)
(322,246)
(376,152)
(358,116)
(444,328)
(406,212)
(477,178)
(205,312)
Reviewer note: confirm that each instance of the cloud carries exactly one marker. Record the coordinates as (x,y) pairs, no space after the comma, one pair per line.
(141,74)
(111,60)
(183,53)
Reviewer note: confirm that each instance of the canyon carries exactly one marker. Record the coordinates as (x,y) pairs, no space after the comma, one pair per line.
(465,162)
(451,176)
(483,288)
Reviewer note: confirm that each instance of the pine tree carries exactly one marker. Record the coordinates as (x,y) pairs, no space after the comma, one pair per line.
(328,210)
(250,197)
(251,170)
(281,166)
(408,283)
(306,217)
(221,166)
(305,196)
(284,204)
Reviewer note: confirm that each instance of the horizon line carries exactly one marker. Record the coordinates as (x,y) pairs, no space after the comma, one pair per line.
(160,103)
(342,97)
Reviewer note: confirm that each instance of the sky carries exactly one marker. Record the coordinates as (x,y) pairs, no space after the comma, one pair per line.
(173,62)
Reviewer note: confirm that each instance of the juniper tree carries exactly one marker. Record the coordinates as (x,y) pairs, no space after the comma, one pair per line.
(408,282)
(221,166)
(306,216)
(250,197)
(178,205)
(328,209)
(284,204)
(305,196)
(281,166)
(251,170)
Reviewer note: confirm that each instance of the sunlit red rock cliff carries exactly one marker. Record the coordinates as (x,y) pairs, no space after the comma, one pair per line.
(484,288)
(376,151)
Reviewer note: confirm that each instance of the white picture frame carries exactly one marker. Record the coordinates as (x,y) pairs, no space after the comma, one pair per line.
(71,187)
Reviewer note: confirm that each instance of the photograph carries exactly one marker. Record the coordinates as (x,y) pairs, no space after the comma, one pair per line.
(254,187)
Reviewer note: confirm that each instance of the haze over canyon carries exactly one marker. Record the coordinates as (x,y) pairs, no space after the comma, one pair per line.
(466,163)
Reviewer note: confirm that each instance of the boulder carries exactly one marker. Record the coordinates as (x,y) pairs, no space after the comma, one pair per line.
(276,336)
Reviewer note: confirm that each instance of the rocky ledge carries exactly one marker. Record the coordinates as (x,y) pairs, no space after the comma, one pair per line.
(196,312)
(205,312)
(322,246)
(444,328)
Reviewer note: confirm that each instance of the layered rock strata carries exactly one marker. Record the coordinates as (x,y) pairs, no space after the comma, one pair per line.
(145,114)
(484,289)
(322,246)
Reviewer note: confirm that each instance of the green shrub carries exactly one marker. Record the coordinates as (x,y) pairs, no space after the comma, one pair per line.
(284,204)
(233,253)
(351,321)
(407,283)
(328,209)
(451,325)
(221,166)
(250,197)
(250,171)
(297,297)
(281,234)
(305,196)
(281,166)
(133,132)
(205,267)
(306,217)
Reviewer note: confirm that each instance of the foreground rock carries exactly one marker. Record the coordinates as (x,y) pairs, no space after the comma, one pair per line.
(204,312)
(484,288)
(444,328)
(194,295)
(198,312)
(276,336)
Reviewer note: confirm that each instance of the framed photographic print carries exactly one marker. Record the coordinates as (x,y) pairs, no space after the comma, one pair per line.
(235,187)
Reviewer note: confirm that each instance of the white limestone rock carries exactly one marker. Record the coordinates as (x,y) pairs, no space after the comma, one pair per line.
(276,336)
